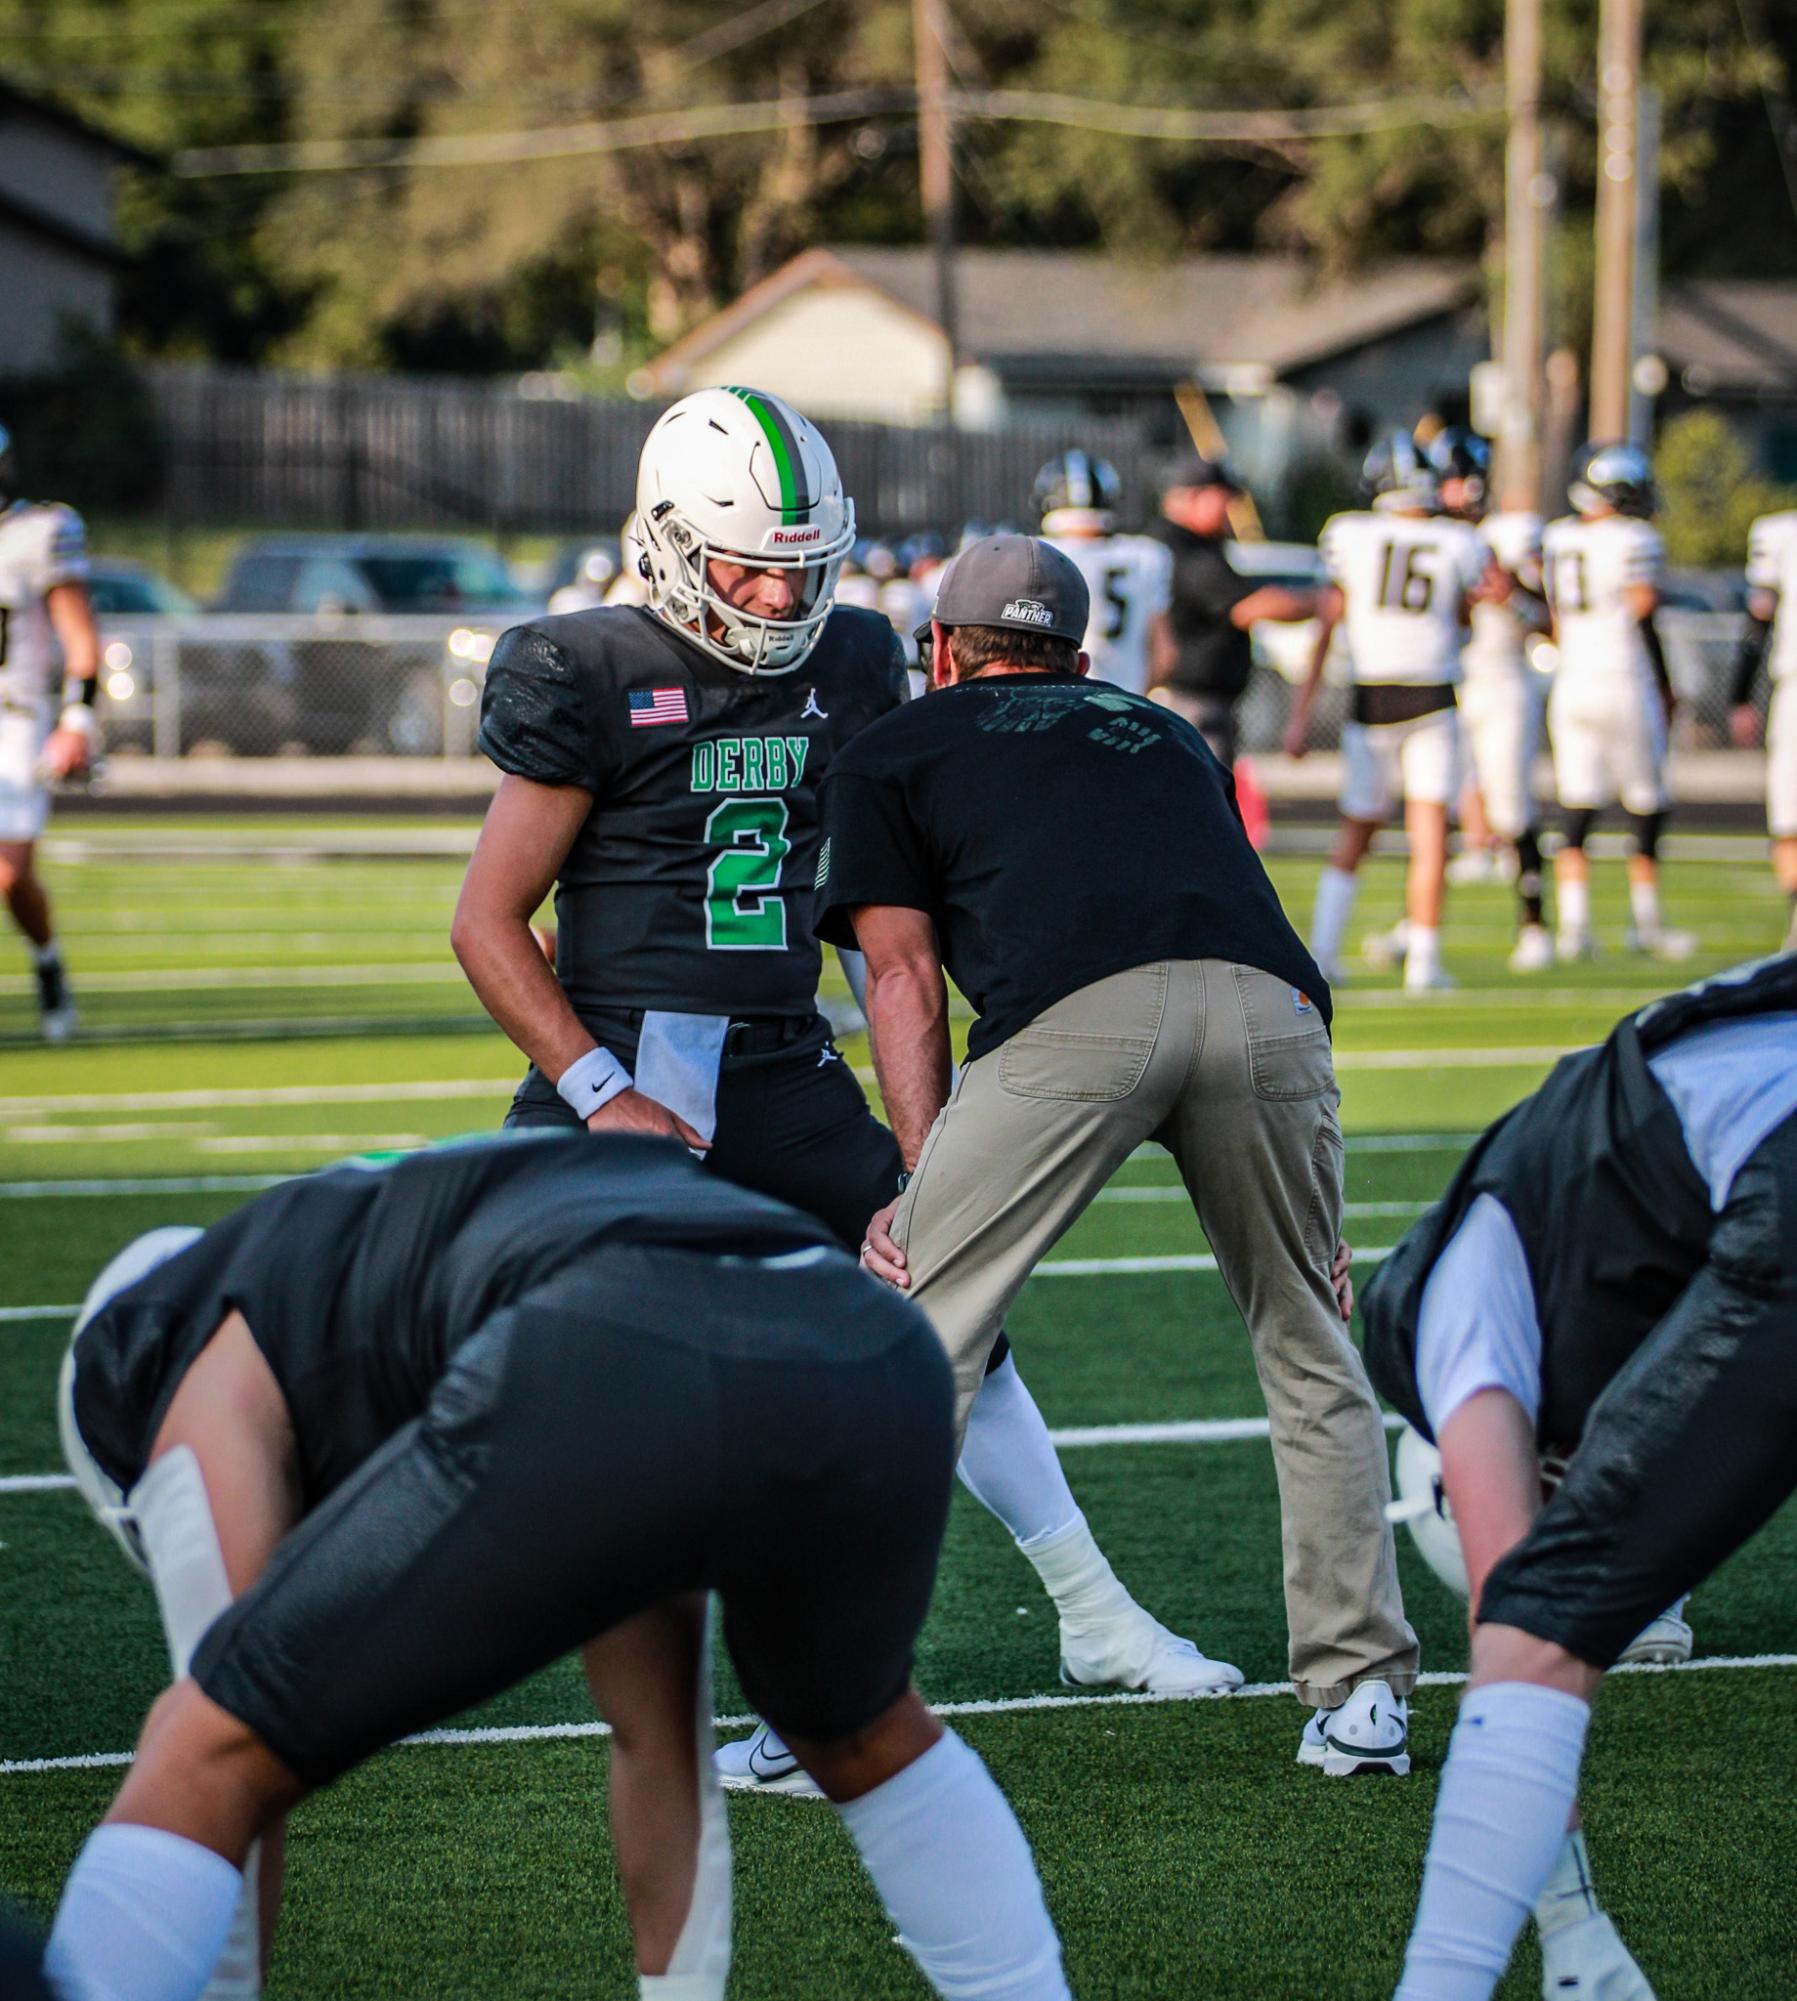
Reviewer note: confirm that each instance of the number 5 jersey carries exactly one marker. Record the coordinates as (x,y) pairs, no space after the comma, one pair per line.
(689,886)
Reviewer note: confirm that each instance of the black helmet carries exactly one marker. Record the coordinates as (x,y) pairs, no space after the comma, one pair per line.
(1076,482)
(1397,474)
(1615,476)
(1459,453)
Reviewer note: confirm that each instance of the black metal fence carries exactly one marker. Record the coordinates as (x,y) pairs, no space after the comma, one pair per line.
(355,452)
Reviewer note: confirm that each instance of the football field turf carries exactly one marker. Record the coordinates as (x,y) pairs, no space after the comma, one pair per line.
(260,997)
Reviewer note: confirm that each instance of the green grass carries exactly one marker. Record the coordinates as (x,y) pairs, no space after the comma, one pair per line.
(1183,1851)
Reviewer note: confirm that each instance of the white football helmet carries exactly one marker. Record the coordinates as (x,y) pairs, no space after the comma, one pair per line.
(136,1261)
(738,476)
(1422,1505)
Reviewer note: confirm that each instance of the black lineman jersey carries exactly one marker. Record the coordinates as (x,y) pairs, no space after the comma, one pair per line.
(357,1283)
(689,887)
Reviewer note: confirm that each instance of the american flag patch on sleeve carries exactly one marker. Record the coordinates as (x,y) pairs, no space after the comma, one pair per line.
(649,706)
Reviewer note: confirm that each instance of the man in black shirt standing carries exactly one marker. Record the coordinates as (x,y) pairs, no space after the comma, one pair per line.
(394,1436)
(1072,856)
(1206,654)
(662,764)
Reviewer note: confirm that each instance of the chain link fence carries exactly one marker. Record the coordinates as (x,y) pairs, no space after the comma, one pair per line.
(286,686)
(281,686)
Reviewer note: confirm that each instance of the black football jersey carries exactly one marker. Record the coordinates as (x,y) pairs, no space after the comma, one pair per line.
(359,1282)
(689,888)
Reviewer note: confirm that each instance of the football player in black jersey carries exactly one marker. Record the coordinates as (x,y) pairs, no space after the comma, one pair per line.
(661,768)
(393,1436)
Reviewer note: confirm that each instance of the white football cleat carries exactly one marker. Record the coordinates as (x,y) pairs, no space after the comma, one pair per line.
(761,1763)
(1387,950)
(1587,1961)
(1143,1655)
(1369,1733)
(1670,946)
(1571,945)
(1533,951)
(1665,1641)
(1435,981)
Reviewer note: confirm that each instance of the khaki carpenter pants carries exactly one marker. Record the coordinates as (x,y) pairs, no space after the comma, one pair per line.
(1229,1068)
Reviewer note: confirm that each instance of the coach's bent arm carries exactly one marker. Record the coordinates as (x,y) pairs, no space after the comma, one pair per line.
(528,831)
(907,1017)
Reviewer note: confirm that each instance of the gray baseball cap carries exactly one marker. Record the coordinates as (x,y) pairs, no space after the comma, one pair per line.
(1014,580)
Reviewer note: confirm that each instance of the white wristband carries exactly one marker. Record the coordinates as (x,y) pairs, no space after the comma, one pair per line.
(79,717)
(592,1080)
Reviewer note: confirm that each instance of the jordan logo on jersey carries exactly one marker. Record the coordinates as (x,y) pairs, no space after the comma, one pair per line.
(811,708)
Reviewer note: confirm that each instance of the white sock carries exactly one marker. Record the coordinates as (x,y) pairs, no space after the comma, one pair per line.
(1008,1463)
(1500,1823)
(1574,900)
(1077,1575)
(47,955)
(957,1878)
(143,1917)
(1569,1894)
(1329,920)
(1422,958)
(1644,907)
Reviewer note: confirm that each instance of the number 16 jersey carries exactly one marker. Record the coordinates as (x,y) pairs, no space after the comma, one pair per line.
(689,886)
(1404,581)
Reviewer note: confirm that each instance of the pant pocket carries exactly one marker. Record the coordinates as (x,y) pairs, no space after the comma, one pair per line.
(1093,1047)
(1288,1044)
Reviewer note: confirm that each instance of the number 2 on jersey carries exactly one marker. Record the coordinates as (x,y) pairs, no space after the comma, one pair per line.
(744,910)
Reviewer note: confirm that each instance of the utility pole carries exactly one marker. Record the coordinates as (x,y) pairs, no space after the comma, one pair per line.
(936,171)
(1644,361)
(1528,199)
(1618,212)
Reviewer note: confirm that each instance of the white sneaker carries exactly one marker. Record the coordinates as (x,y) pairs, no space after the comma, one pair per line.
(761,1763)
(1533,951)
(1587,1961)
(1665,1641)
(1571,945)
(1672,946)
(1473,865)
(1369,1733)
(1386,950)
(1142,1654)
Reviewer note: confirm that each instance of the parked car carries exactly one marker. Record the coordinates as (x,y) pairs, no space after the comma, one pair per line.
(379,689)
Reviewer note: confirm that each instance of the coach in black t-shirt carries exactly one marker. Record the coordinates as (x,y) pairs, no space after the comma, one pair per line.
(1203,673)
(1072,856)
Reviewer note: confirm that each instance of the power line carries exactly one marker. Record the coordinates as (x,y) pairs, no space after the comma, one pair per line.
(720,121)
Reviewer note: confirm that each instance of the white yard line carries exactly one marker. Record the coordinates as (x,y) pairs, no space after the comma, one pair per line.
(1455,1059)
(1012,1705)
(1187,1431)
(195,979)
(1163,1191)
(310,1142)
(392,1093)
(77,1135)
(144,1184)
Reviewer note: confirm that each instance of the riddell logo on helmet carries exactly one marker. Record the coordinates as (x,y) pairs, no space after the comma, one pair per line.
(1026,611)
(788,538)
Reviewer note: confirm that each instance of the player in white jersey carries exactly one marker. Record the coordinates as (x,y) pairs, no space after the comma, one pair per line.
(1612,699)
(1771,636)
(46,632)
(1404,581)
(1500,698)
(1129,577)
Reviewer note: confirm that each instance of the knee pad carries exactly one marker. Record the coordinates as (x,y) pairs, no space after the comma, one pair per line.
(1647,829)
(175,1527)
(1579,822)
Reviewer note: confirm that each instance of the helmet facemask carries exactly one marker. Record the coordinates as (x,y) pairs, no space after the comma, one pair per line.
(681,591)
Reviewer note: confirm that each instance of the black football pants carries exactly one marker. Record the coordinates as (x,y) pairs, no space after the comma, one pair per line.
(651,1423)
(1689,1451)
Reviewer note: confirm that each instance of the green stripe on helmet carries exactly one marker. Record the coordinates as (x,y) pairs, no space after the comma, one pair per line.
(795,502)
